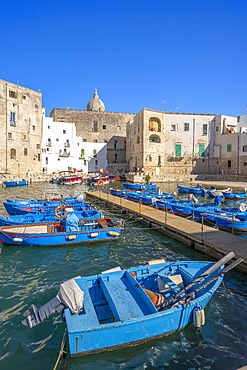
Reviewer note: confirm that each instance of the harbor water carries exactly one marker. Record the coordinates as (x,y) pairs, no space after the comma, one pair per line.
(32,275)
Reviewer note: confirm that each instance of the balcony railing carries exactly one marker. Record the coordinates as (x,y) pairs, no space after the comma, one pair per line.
(64,154)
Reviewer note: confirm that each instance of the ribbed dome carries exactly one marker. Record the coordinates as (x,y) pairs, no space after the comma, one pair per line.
(95,104)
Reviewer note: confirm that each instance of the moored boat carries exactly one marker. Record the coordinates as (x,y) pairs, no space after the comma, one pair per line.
(12,184)
(70,231)
(118,308)
(36,218)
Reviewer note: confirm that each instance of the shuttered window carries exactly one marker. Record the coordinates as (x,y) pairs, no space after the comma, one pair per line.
(178,150)
(201,150)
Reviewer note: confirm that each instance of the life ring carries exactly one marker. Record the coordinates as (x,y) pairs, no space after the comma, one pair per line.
(58,213)
(100,182)
(56,226)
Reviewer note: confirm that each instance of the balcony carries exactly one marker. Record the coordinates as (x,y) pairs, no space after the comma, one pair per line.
(49,143)
(67,145)
(64,154)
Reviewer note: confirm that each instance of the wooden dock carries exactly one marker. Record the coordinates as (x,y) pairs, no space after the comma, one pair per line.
(214,242)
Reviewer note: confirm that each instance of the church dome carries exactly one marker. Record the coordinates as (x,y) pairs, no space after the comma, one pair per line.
(95,104)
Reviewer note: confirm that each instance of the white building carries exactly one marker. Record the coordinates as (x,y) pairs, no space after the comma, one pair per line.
(62,150)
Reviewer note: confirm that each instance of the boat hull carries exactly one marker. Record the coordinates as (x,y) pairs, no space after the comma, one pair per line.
(87,334)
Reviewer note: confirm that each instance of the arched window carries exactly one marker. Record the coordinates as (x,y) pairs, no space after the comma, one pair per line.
(12,153)
(154,124)
(154,139)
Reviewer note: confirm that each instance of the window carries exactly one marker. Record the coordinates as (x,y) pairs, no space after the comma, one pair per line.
(154,124)
(173,127)
(229,148)
(186,126)
(154,139)
(115,144)
(25,151)
(37,146)
(34,128)
(84,140)
(245,148)
(12,153)
(96,163)
(95,126)
(95,140)
(39,157)
(24,137)
(85,162)
(217,128)
(82,153)
(64,131)
(48,127)
(24,97)
(36,106)
(178,150)
(95,152)
(159,160)
(9,135)
(115,157)
(201,151)
(204,129)
(138,140)
(104,127)
(46,160)
(12,94)
(12,118)
(229,164)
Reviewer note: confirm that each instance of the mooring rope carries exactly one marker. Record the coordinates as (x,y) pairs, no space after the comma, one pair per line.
(62,350)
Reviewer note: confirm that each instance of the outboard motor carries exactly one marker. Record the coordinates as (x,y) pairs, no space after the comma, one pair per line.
(69,296)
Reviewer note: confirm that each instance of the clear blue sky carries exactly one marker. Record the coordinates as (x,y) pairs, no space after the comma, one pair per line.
(168,55)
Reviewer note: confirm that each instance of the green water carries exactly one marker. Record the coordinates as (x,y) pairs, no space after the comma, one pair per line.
(32,275)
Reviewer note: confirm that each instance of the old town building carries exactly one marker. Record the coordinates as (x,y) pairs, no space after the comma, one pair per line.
(168,145)
(96,125)
(21,130)
(63,150)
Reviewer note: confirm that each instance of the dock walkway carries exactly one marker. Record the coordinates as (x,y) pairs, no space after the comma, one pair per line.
(214,242)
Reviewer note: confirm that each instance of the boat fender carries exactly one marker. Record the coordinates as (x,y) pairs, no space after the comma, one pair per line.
(198,317)
(55,227)
(19,240)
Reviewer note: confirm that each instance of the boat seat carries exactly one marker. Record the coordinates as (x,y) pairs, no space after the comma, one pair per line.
(174,283)
(122,303)
(86,319)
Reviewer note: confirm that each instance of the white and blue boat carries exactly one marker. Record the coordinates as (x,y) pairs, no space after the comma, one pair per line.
(65,232)
(123,307)
(36,218)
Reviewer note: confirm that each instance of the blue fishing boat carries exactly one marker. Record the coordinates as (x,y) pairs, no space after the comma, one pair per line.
(13,184)
(233,195)
(118,193)
(139,186)
(69,231)
(118,308)
(196,190)
(231,223)
(15,208)
(36,218)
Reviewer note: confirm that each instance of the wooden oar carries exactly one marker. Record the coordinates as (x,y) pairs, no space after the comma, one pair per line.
(191,294)
(205,274)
